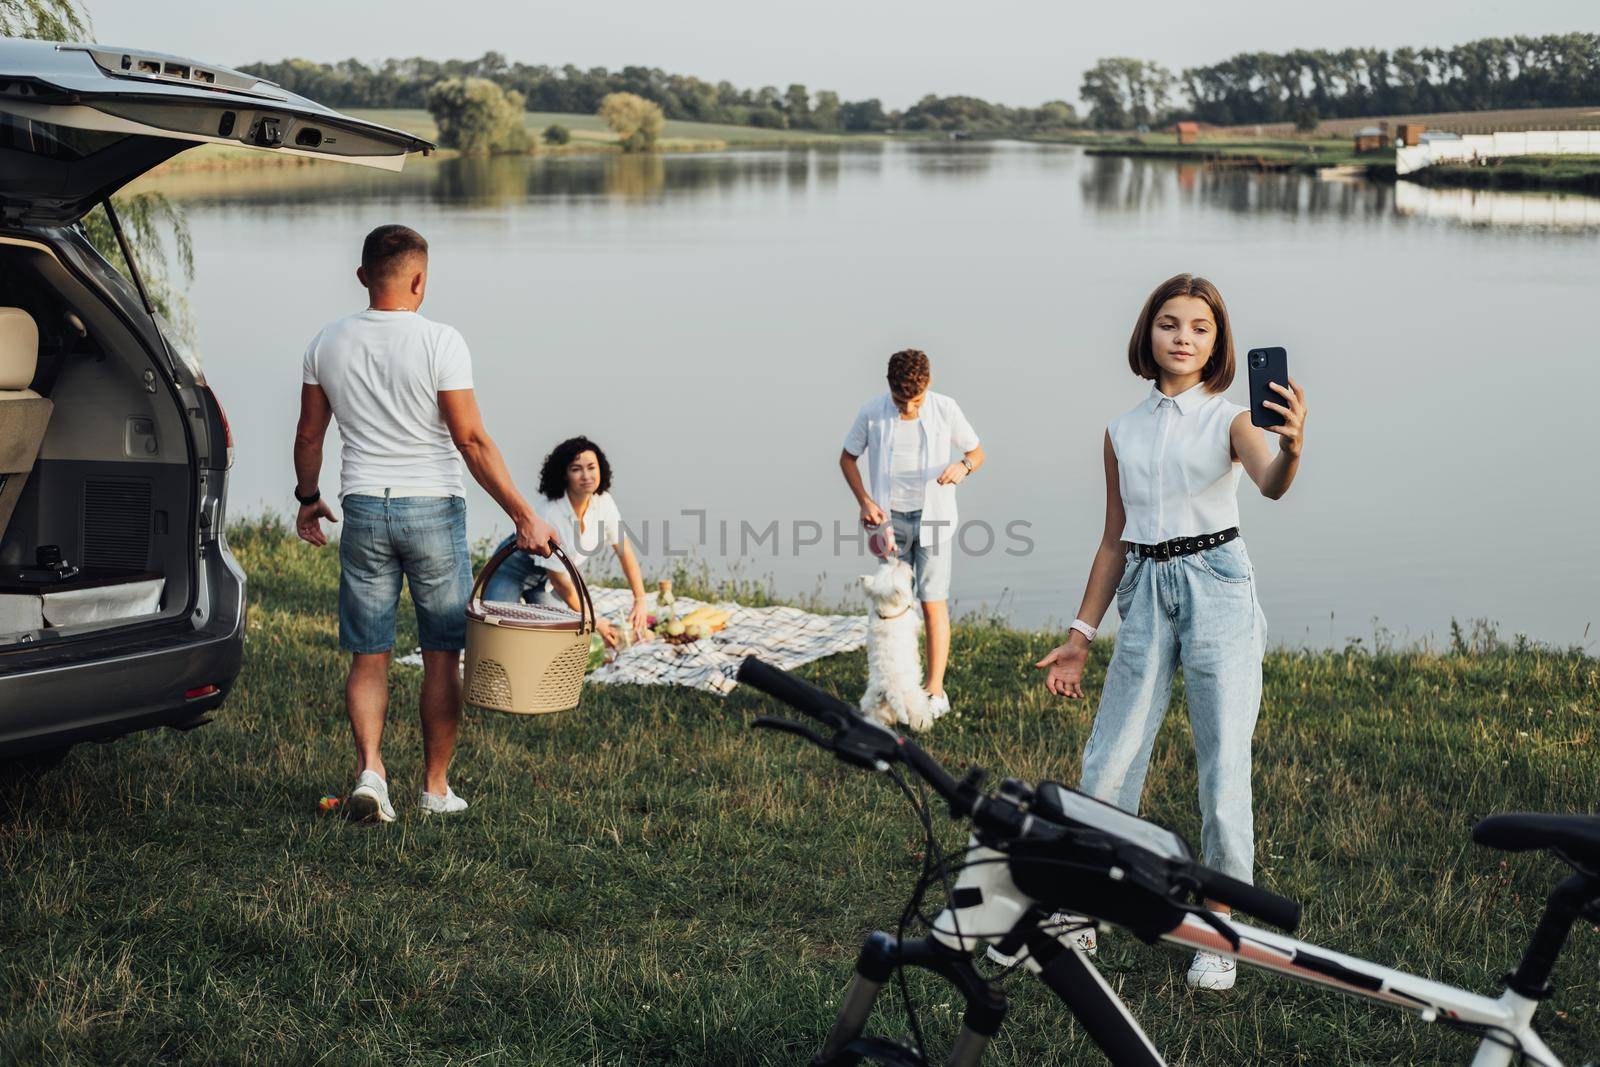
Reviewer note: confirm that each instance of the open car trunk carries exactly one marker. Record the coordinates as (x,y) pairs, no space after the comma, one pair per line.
(79,121)
(112,491)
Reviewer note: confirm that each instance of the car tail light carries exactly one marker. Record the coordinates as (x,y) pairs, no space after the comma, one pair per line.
(202,691)
(227,430)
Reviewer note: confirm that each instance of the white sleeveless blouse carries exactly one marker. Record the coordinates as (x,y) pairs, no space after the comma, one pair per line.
(1175,466)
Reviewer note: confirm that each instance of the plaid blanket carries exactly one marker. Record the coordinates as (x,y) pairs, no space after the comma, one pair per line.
(784,637)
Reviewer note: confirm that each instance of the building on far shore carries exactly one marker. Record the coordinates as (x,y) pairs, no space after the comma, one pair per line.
(1188,132)
(1409,134)
(1372,139)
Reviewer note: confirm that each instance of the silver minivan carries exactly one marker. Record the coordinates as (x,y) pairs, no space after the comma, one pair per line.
(120,605)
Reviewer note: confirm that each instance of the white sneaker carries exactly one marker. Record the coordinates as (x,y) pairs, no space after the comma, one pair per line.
(369,800)
(1211,971)
(1083,939)
(449,804)
(938,705)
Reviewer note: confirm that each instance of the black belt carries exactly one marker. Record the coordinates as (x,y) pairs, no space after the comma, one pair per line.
(1186,546)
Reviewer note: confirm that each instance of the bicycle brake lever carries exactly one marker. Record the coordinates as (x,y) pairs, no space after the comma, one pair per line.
(1211,919)
(789,726)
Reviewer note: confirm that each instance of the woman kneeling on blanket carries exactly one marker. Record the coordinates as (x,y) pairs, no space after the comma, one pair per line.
(575,491)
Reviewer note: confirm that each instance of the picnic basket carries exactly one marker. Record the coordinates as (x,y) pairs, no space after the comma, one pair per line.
(526,659)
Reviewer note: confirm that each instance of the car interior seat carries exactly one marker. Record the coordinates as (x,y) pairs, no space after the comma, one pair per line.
(24,414)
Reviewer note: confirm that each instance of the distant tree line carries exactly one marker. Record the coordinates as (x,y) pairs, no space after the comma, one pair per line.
(1557,70)
(1121,93)
(404,83)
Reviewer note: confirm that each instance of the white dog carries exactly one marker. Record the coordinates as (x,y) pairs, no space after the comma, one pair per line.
(894,693)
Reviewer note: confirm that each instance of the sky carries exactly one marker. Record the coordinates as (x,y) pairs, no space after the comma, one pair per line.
(1003,50)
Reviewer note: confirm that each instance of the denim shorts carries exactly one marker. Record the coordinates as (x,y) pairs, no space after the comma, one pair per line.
(930,567)
(420,538)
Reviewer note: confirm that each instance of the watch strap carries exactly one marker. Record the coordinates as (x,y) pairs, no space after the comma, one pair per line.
(1083,628)
(307,501)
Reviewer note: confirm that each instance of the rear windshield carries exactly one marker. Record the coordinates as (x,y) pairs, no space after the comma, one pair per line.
(47,139)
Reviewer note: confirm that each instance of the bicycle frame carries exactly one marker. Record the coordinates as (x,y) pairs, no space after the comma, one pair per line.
(999,909)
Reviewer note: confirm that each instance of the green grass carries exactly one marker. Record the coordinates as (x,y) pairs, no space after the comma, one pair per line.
(1576,173)
(646,880)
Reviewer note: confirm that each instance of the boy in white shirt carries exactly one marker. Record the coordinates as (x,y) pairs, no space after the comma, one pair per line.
(907,435)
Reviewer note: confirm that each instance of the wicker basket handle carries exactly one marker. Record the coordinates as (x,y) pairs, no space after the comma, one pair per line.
(586,613)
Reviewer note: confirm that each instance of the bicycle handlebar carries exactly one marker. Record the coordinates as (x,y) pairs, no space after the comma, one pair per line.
(864,743)
(798,693)
(1262,903)
(859,740)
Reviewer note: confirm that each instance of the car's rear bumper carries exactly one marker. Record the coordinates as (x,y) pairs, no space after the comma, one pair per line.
(114,685)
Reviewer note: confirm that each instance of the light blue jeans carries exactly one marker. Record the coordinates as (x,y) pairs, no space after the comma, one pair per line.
(1199,612)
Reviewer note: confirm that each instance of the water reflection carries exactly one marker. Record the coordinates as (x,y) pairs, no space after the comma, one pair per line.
(942,160)
(1486,207)
(1107,184)
(1142,185)
(634,176)
(504,180)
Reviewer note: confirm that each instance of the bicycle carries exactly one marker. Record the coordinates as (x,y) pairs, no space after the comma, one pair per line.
(1039,851)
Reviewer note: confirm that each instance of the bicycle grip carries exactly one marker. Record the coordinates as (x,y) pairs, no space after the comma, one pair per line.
(1263,904)
(799,694)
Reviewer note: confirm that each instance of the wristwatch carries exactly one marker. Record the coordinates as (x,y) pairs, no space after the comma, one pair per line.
(307,501)
(1083,628)
(967,463)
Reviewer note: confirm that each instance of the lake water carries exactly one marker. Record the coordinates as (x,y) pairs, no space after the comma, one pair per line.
(715,320)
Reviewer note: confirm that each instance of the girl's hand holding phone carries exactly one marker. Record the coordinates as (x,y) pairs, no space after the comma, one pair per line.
(1293,429)
(1064,668)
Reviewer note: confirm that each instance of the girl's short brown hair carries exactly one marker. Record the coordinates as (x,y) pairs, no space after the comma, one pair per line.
(1217,374)
(909,372)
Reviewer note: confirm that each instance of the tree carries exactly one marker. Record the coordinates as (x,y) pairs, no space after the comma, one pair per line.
(44,20)
(555,133)
(826,115)
(477,116)
(637,122)
(864,116)
(797,105)
(1305,119)
(1054,115)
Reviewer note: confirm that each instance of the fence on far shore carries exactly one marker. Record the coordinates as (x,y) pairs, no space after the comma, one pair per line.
(1473,147)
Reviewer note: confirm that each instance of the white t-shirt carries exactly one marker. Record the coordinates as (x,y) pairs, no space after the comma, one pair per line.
(907,477)
(602,525)
(383,372)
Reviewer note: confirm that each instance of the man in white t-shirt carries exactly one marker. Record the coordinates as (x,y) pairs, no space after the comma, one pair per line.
(401,388)
(908,435)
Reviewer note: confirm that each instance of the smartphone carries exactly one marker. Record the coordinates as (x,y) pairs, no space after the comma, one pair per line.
(1267,365)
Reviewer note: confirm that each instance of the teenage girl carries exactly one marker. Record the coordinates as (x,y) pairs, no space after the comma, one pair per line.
(1172,556)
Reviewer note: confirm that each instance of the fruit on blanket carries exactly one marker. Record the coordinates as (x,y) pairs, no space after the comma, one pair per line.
(676,628)
(713,619)
(597,653)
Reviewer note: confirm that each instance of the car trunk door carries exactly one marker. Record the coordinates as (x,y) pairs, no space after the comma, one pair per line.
(78,122)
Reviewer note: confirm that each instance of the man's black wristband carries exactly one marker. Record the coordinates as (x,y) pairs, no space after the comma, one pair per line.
(307,501)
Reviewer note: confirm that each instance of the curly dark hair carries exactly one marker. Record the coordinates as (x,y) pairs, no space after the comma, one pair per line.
(909,372)
(553,474)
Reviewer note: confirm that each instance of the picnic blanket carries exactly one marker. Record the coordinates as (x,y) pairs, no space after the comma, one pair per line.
(784,637)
